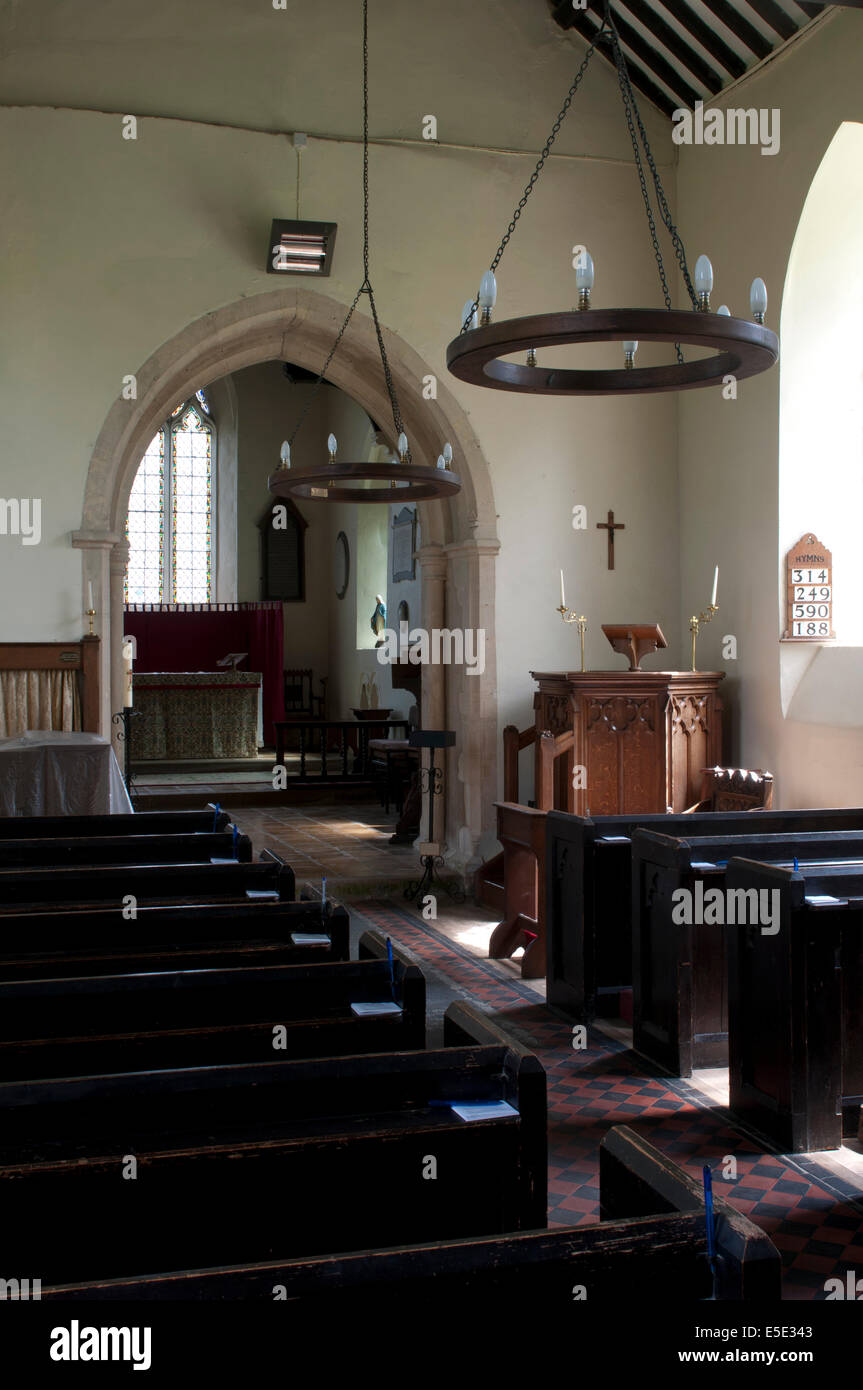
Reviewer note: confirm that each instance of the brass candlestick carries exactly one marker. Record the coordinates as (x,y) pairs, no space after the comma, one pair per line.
(569,615)
(91,613)
(695,623)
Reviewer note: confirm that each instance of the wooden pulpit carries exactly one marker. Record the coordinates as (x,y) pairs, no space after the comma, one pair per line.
(642,736)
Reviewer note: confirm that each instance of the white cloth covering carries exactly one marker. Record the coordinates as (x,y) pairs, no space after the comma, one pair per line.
(60,774)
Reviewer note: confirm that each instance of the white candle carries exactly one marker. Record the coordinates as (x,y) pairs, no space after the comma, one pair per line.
(127,675)
(715,583)
(90,595)
(562,599)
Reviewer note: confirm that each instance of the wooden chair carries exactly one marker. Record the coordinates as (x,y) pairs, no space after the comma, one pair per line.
(300,700)
(392,761)
(734,789)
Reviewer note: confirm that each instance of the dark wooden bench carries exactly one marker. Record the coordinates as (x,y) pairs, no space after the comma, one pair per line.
(131,823)
(58,851)
(196,1018)
(651,1241)
(244,1163)
(193,936)
(795,1007)
(146,883)
(589,894)
(679,972)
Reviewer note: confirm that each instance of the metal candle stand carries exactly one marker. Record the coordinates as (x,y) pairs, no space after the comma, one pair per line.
(125,718)
(432,739)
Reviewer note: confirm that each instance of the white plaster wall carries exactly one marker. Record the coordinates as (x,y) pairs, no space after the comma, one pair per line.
(158,231)
(742,209)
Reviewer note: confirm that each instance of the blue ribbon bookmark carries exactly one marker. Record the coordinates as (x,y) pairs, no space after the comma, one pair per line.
(216,809)
(796,865)
(710,1222)
(236,838)
(390,967)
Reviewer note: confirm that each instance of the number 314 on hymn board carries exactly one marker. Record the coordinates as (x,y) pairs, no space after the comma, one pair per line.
(809,588)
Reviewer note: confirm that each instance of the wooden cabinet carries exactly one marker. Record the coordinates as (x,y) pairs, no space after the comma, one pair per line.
(642,736)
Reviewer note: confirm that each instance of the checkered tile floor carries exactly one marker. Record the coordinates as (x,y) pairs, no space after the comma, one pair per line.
(814,1218)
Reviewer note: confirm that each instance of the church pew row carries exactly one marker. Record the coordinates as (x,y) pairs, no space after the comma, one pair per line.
(155,883)
(104,940)
(588,892)
(126,823)
(117,1176)
(679,971)
(795,1007)
(651,1242)
(201,1018)
(54,851)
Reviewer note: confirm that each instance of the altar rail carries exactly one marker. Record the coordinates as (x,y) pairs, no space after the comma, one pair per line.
(316,738)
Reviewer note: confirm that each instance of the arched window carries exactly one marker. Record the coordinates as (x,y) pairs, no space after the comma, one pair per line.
(170,521)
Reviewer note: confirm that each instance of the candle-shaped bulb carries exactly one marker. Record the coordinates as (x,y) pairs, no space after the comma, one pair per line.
(402,446)
(447,454)
(285,454)
(703,279)
(630,349)
(441,462)
(487,290)
(584,272)
(715,586)
(758,299)
(469,312)
(724,311)
(332,445)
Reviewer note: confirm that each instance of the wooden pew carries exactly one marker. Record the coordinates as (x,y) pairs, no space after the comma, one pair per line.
(154,883)
(795,1007)
(132,823)
(650,1243)
(679,969)
(588,892)
(198,1018)
(58,851)
(244,1163)
(192,936)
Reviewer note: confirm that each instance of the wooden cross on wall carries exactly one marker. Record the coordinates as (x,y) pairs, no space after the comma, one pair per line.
(611,526)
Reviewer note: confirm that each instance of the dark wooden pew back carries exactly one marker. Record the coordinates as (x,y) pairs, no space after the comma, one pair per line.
(679,971)
(588,892)
(133,823)
(795,1037)
(120,1023)
(247,1162)
(654,1245)
(60,852)
(196,936)
(152,883)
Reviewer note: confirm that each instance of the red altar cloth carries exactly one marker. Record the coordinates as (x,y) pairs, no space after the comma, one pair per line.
(193,637)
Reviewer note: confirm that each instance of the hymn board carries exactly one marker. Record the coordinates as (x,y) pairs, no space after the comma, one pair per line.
(809,588)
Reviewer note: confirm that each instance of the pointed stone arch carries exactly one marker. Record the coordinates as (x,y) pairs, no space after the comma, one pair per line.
(459,535)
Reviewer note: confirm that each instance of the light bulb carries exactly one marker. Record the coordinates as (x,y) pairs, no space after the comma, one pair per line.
(630,349)
(758,299)
(584,272)
(447,454)
(332,445)
(487,290)
(441,462)
(724,310)
(703,283)
(469,309)
(285,454)
(402,446)
(703,275)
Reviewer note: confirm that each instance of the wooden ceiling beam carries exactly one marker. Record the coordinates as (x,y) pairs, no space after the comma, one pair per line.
(706,75)
(589,30)
(744,31)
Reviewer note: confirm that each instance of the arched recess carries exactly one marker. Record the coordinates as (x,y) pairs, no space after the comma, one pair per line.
(821,413)
(459,535)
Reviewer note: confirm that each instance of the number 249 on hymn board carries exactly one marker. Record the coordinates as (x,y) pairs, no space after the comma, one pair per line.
(809,584)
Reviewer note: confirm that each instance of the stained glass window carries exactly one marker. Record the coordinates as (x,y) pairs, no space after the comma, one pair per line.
(170,524)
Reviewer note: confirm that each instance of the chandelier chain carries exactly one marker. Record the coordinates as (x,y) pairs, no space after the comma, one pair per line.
(366,286)
(539,164)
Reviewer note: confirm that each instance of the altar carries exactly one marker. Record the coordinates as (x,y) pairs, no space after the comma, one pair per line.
(182,715)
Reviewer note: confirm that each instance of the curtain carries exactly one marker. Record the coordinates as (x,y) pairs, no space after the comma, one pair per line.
(39,700)
(193,637)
